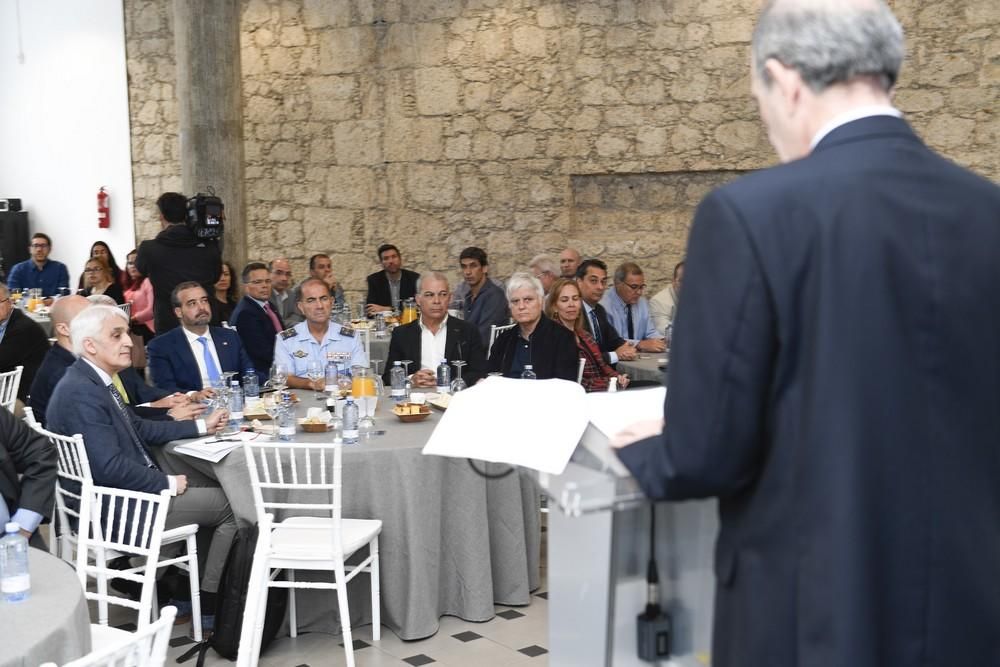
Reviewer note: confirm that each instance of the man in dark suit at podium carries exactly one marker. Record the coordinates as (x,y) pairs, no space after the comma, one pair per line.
(192,356)
(387,288)
(835,378)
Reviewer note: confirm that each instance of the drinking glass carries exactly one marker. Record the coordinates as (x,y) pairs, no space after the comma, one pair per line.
(409,311)
(272,405)
(315,372)
(363,388)
(279,376)
(458,384)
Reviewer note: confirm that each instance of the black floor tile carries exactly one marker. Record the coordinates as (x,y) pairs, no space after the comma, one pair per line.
(532,651)
(510,614)
(544,596)
(358,644)
(419,659)
(467,636)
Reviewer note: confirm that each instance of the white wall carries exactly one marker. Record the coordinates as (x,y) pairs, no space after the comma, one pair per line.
(64,124)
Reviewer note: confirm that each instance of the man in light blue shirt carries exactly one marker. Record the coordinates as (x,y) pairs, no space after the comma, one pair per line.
(628,310)
(312,339)
(39,271)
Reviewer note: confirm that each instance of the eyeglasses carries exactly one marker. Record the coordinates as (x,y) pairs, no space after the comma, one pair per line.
(261,281)
(39,245)
(635,288)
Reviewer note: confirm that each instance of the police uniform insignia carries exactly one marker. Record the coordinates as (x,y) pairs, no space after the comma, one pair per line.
(347,331)
(301,354)
(287,333)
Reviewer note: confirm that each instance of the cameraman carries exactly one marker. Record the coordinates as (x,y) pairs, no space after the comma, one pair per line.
(175,256)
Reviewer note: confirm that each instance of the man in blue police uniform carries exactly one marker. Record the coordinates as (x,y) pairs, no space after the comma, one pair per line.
(313,339)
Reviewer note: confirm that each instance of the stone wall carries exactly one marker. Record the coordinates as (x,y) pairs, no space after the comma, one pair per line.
(516,125)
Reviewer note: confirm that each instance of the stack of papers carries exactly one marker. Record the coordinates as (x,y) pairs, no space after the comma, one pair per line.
(214,448)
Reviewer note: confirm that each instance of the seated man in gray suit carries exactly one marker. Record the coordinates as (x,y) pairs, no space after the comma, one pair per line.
(119,444)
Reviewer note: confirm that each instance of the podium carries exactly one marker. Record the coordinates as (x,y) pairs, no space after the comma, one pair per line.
(598,549)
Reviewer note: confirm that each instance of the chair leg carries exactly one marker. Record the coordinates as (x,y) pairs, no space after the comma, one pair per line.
(373,572)
(345,613)
(293,625)
(256,589)
(193,583)
(101,561)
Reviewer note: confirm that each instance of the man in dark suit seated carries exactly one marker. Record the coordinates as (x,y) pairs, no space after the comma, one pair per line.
(255,320)
(387,288)
(144,400)
(192,356)
(27,476)
(436,336)
(835,381)
(592,278)
(119,443)
(22,342)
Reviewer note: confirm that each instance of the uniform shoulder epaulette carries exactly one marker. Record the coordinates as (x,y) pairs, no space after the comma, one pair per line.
(287,333)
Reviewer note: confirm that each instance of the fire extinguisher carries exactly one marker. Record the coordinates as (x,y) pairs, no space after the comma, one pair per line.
(103,209)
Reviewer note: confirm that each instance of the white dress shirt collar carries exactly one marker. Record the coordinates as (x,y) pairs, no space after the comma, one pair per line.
(851,116)
(105,378)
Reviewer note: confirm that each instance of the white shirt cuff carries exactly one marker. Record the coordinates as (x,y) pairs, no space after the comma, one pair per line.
(202,428)
(613,356)
(172,481)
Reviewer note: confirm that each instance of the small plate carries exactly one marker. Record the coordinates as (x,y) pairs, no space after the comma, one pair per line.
(422,415)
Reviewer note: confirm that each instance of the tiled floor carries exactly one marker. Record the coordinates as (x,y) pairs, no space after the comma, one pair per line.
(515,636)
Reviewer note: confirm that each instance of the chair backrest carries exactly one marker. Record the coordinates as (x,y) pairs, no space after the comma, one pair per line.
(301,477)
(9,384)
(146,648)
(126,307)
(579,371)
(129,523)
(29,417)
(494,332)
(73,471)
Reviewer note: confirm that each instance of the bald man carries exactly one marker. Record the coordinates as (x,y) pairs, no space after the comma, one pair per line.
(569,259)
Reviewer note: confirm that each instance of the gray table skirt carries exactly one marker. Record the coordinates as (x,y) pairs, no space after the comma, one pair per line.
(646,368)
(53,625)
(452,542)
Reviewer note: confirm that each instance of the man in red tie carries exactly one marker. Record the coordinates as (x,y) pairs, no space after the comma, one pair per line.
(255,319)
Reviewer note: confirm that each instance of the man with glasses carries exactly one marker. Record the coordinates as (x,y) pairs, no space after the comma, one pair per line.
(39,272)
(544,268)
(628,309)
(193,357)
(255,318)
(592,278)
(282,296)
(313,339)
(435,336)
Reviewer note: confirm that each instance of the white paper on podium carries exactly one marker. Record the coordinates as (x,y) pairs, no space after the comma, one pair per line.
(532,423)
(614,412)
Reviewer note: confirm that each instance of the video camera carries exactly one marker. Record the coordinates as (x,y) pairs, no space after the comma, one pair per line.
(206,216)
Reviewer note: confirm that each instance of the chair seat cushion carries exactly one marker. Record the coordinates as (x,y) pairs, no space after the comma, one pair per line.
(308,538)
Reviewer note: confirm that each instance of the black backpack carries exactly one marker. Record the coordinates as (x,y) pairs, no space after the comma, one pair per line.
(232,599)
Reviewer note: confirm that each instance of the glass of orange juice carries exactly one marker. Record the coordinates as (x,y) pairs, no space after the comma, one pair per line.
(364,390)
(409,311)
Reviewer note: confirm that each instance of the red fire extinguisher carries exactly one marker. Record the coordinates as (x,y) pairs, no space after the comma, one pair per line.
(103,209)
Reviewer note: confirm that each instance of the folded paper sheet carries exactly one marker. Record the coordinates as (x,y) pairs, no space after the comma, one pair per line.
(534,423)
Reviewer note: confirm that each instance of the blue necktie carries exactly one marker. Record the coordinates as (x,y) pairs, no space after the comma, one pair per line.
(596,327)
(210,367)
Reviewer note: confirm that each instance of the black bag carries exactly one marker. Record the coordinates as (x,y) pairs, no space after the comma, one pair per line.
(232,600)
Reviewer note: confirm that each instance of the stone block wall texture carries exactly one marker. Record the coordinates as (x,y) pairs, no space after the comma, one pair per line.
(519,126)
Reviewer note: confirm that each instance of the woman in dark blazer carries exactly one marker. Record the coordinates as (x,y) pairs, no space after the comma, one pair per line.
(536,340)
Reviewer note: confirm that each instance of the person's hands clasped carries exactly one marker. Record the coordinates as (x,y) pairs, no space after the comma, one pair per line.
(172,401)
(216,421)
(424,378)
(651,345)
(623,380)
(626,352)
(186,410)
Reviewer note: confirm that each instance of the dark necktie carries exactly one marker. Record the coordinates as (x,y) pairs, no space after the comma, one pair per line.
(133,434)
(596,327)
(628,320)
(273,316)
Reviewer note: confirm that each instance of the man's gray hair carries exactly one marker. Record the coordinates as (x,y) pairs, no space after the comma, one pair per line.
(626,269)
(829,41)
(522,280)
(101,300)
(89,322)
(545,264)
(430,275)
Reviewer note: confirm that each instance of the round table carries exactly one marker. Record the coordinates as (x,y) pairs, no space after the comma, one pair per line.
(53,625)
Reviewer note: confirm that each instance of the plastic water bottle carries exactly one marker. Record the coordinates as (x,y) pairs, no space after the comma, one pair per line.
(397,377)
(251,387)
(444,377)
(351,416)
(15,580)
(286,418)
(235,405)
(330,384)
(528,374)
